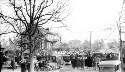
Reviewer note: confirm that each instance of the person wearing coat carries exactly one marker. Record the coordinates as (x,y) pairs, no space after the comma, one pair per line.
(23,66)
(89,61)
(82,61)
(78,62)
(94,62)
(73,60)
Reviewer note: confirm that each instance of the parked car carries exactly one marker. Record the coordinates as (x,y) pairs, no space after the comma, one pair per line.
(66,58)
(111,64)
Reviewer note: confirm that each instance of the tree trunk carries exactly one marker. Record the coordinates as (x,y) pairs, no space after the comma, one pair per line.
(31,63)
(31,56)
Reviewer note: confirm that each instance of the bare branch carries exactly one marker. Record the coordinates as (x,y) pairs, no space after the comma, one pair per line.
(16,11)
(46,20)
(26,8)
(41,10)
(33,9)
(47,14)
(24,18)
(13,42)
(38,9)
(15,19)
(10,24)
(7,32)
(118,25)
(7,28)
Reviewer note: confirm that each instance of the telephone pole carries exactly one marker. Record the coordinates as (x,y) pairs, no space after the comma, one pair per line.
(120,40)
(91,40)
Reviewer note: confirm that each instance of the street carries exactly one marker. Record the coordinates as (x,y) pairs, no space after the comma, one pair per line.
(70,69)
(66,68)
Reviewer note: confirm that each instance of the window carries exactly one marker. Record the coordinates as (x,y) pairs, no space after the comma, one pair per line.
(116,67)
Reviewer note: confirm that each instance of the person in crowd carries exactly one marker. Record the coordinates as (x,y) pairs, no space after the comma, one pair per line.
(82,61)
(105,56)
(28,65)
(1,60)
(94,62)
(18,59)
(12,64)
(23,65)
(37,66)
(86,64)
(72,57)
(40,64)
(77,62)
(97,62)
(89,61)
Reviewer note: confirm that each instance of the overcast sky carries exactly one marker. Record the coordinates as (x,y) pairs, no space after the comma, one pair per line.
(91,15)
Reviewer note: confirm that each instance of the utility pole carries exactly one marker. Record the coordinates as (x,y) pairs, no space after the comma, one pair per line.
(120,39)
(91,40)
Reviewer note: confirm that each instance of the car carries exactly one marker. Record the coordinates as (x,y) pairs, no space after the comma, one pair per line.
(67,60)
(111,63)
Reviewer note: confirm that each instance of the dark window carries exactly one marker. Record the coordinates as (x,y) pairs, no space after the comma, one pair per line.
(117,67)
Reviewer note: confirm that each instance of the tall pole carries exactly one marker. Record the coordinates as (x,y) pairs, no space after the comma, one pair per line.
(120,46)
(91,40)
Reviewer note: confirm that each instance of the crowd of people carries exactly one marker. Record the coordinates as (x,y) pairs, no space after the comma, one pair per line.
(79,61)
(91,60)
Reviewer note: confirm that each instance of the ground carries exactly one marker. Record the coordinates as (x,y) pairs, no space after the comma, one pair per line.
(66,68)
(70,69)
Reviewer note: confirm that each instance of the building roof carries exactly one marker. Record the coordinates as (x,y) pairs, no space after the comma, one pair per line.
(45,31)
(41,32)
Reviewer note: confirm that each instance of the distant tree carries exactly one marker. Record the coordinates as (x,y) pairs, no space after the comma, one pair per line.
(86,45)
(75,43)
(113,44)
(97,45)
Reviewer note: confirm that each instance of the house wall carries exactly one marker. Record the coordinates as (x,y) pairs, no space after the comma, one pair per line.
(49,43)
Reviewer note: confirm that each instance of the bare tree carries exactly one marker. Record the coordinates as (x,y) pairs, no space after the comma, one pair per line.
(120,26)
(29,15)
